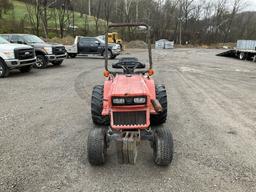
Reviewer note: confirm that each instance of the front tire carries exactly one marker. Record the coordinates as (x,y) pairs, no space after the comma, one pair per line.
(4,70)
(110,55)
(96,147)
(163,146)
(161,96)
(26,69)
(41,62)
(97,106)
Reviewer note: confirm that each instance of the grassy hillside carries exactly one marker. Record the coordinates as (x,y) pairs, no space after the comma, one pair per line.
(20,14)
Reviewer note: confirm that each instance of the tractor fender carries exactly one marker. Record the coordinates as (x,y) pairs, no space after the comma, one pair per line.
(106,97)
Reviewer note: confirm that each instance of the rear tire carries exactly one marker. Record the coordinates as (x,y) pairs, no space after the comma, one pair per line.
(41,62)
(4,71)
(72,55)
(97,106)
(161,96)
(57,63)
(25,69)
(96,147)
(163,146)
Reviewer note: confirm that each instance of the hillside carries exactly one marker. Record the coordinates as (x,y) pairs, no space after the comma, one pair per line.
(19,14)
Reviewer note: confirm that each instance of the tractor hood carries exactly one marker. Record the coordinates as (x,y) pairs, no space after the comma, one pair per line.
(125,85)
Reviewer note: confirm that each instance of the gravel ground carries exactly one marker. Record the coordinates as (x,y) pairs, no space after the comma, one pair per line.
(45,119)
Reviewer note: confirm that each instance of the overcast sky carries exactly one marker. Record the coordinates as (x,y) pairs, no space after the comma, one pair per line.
(251,5)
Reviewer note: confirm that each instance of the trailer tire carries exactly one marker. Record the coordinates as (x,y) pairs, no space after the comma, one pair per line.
(242,56)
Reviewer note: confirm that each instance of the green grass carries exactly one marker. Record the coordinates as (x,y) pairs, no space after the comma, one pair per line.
(20,13)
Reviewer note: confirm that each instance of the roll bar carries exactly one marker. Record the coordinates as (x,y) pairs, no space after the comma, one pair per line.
(129,25)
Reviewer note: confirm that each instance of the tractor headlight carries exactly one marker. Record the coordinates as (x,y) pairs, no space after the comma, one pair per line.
(129,100)
(118,101)
(140,100)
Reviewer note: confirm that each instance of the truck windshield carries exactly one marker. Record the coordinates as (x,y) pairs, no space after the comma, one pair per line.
(3,41)
(32,39)
(101,39)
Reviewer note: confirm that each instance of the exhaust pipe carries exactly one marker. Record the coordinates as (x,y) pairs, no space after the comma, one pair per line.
(157,106)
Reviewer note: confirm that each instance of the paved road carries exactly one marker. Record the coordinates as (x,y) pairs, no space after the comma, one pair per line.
(45,119)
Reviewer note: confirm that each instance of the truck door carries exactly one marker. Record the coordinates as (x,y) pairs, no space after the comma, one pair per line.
(94,45)
(83,45)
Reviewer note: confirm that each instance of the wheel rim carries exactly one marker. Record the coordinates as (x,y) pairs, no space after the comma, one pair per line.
(39,62)
(1,70)
(241,56)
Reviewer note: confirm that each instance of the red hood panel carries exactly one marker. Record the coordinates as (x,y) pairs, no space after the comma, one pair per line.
(129,86)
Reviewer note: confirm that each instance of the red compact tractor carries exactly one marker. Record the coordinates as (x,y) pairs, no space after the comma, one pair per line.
(128,109)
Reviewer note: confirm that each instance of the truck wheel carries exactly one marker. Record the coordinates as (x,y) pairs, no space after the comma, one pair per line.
(57,62)
(4,71)
(242,56)
(162,146)
(26,69)
(96,147)
(41,62)
(97,106)
(161,96)
(110,55)
(114,56)
(72,55)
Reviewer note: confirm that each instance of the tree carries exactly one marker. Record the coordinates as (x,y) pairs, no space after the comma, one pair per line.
(5,5)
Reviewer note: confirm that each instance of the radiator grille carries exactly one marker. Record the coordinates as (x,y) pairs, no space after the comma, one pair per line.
(129,118)
(23,54)
(58,50)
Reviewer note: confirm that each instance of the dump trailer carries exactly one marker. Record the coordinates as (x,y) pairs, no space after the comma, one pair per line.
(244,50)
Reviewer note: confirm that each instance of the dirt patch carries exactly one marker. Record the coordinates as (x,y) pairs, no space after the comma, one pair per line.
(136,44)
(66,40)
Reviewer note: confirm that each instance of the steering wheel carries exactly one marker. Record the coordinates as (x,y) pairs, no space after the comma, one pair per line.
(128,68)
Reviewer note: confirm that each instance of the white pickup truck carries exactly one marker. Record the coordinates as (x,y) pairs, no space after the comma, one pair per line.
(92,46)
(15,56)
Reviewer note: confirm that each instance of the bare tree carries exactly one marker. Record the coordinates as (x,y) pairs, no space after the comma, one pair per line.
(63,14)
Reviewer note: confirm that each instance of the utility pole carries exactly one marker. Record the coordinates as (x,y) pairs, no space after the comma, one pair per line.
(180,36)
(89,7)
(73,21)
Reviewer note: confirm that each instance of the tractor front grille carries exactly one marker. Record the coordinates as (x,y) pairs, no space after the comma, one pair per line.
(134,118)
